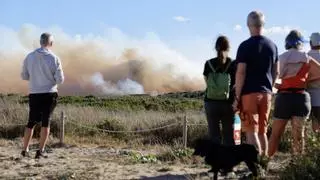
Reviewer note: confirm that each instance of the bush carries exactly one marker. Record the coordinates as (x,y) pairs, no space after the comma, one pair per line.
(305,166)
(113,125)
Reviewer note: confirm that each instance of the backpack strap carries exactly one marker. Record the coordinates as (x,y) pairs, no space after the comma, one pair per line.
(227,67)
(213,70)
(211,67)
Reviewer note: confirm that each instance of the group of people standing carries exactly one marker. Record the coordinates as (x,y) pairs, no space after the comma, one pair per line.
(252,77)
(242,86)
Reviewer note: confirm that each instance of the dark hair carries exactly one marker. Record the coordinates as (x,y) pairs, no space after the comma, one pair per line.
(222,45)
(45,38)
(294,40)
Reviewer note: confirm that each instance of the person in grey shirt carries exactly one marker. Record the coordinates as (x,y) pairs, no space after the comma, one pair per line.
(43,69)
(314,89)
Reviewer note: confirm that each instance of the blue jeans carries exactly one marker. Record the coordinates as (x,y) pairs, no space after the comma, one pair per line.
(220,112)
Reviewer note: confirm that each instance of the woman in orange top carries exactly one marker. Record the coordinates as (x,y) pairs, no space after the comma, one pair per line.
(292,100)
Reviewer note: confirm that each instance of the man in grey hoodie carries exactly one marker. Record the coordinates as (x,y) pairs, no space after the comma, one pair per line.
(43,69)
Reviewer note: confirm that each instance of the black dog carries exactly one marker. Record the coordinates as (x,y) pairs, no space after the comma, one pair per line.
(224,158)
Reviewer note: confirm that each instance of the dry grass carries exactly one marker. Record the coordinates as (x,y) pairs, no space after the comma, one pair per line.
(85,124)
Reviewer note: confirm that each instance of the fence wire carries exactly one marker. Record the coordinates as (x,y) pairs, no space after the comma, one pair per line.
(113,131)
(76,123)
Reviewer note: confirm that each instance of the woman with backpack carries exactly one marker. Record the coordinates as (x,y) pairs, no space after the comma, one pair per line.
(219,74)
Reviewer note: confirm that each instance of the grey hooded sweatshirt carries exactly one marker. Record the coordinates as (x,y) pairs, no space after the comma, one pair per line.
(43,70)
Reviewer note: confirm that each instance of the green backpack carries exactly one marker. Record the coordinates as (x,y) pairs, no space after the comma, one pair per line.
(218,84)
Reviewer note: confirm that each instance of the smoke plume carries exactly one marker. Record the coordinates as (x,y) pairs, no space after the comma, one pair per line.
(111,63)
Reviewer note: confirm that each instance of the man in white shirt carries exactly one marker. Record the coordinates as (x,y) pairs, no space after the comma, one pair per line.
(43,69)
(315,91)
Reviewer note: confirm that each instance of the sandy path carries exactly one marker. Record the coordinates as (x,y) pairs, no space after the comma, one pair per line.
(89,163)
(84,163)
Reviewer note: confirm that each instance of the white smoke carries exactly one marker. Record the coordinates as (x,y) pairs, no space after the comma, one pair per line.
(129,86)
(112,63)
(122,87)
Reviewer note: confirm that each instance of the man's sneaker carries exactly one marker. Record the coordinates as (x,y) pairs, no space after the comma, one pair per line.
(25,154)
(40,154)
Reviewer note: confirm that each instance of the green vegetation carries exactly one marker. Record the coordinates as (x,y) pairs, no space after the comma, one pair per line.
(139,158)
(175,154)
(170,103)
(305,166)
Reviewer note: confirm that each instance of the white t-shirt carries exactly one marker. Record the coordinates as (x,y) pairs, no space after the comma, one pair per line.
(315,93)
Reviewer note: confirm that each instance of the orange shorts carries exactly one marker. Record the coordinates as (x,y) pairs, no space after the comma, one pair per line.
(255,112)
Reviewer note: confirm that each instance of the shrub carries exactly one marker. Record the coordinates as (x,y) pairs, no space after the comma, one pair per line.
(113,125)
(305,166)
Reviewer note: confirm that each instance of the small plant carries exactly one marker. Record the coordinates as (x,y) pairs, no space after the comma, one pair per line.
(183,152)
(175,154)
(139,158)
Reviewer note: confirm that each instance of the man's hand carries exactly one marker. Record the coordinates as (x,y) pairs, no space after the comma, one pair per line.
(235,105)
(240,77)
(277,85)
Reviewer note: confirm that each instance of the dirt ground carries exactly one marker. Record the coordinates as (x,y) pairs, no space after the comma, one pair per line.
(74,162)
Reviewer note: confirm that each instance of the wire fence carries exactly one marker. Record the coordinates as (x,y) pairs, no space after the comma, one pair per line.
(61,118)
(128,131)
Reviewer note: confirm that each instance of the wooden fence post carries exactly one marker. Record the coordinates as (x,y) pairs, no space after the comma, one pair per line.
(185,131)
(61,128)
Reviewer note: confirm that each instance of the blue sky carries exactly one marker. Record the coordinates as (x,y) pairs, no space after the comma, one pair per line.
(186,26)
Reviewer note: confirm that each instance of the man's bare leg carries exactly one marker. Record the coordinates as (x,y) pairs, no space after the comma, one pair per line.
(28,133)
(44,137)
(264,144)
(252,138)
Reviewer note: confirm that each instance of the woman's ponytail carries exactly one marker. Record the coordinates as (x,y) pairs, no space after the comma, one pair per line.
(222,46)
